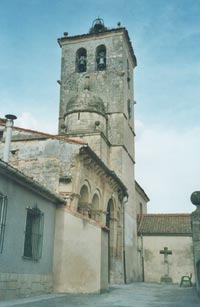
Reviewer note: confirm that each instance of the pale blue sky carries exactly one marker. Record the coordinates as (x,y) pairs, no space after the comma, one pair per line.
(166,40)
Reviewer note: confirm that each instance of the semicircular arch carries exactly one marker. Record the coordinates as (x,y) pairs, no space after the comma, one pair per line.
(84,198)
(95,201)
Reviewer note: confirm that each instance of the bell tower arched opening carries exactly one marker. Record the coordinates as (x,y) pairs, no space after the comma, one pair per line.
(101,57)
(97,112)
(81,60)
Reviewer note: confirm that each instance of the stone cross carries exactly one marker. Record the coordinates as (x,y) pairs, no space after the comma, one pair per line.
(166,253)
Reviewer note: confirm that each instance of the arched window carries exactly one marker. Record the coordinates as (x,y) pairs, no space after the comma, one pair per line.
(94,212)
(101,57)
(110,212)
(95,202)
(81,60)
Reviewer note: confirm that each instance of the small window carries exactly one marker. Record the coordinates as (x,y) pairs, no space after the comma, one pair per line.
(3,211)
(129,108)
(141,209)
(33,234)
(101,57)
(1,134)
(128,74)
(81,60)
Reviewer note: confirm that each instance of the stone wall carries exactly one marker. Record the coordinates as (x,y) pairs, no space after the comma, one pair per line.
(123,165)
(113,87)
(104,260)
(80,122)
(97,142)
(20,275)
(66,169)
(80,250)
(141,202)
(46,160)
(14,285)
(88,174)
(109,84)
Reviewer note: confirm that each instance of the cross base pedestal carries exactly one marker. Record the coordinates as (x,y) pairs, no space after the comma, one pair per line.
(166,279)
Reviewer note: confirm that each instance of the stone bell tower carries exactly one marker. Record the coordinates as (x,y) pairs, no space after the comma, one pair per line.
(96,96)
(97,106)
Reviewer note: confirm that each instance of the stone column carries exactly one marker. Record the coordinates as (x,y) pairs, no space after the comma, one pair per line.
(195,199)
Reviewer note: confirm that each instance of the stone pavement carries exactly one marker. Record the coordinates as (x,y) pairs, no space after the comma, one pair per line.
(137,294)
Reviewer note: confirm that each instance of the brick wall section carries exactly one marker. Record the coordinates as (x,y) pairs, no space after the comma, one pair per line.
(20,285)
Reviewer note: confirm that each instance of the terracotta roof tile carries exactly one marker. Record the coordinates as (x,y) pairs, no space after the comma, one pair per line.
(165,224)
(48,135)
(2,121)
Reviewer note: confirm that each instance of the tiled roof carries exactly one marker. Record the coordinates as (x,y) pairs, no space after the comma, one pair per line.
(165,224)
(85,147)
(2,121)
(40,134)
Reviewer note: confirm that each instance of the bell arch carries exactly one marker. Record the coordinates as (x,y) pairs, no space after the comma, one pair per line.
(81,60)
(101,57)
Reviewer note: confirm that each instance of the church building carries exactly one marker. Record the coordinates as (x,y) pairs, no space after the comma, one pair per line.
(98,209)
(89,165)
(97,107)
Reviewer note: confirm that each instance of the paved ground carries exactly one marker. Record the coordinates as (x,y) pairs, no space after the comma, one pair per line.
(134,295)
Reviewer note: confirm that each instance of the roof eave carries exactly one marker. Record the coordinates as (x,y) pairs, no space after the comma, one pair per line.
(141,191)
(167,234)
(109,172)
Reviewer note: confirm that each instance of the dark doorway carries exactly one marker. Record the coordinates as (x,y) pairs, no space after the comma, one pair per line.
(198,272)
(109,224)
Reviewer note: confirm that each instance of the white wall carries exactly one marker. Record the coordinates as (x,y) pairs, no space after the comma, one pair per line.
(77,256)
(180,262)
